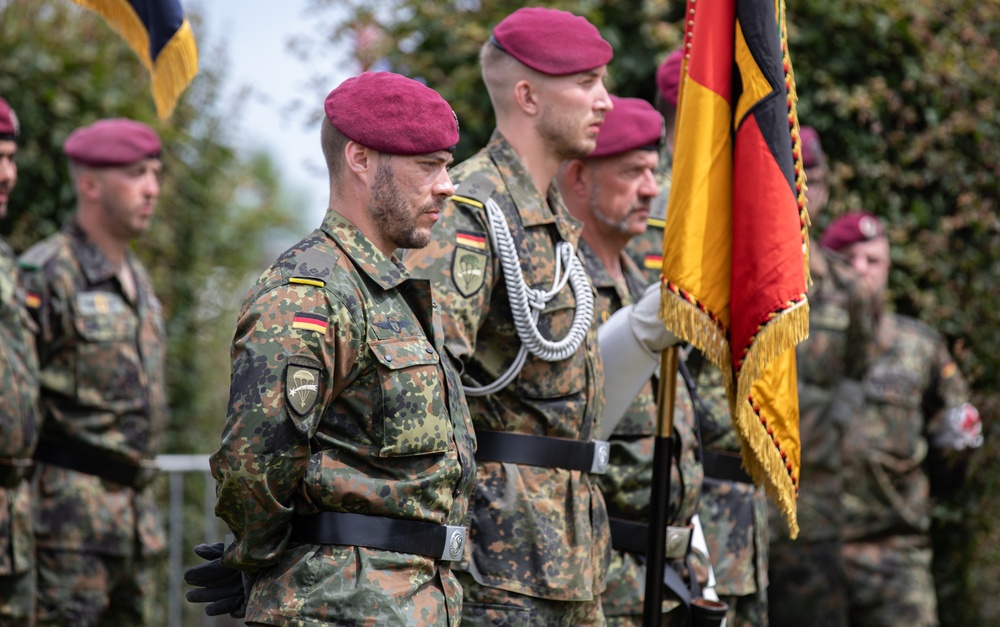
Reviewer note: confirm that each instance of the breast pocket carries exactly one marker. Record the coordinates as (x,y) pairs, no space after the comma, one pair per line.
(106,328)
(414,411)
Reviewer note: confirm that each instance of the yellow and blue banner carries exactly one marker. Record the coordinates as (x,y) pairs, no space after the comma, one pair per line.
(160,34)
(735,272)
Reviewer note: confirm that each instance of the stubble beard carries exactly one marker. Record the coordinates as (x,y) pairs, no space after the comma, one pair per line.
(392,215)
(562,134)
(618,226)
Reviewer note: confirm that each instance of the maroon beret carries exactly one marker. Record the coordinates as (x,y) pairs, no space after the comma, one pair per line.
(850,229)
(812,150)
(9,128)
(117,141)
(551,41)
(632,123)
(392,114)
(668,76)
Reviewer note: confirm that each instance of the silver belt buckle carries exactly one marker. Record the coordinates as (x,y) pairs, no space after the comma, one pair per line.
(454,543)
(602,452)
(678,539)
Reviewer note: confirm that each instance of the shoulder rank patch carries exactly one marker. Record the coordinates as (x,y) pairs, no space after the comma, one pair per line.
(468,267)
(301,387)
(475,190)
(313,267)
(310,322)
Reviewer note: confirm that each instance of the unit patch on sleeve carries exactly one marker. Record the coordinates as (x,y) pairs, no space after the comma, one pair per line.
(468,266)
(301,387)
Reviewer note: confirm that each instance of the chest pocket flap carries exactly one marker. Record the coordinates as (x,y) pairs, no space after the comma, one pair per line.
(104,317)
(415,419)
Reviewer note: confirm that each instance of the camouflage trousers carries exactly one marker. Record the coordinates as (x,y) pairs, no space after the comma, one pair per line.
(499,608)
(808,585)
(625,591)
(890,583)
(747,611)
(317,584)
(86,589)
(17,599)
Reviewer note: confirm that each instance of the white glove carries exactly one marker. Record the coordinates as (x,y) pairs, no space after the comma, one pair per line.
(646,324)
(630,341)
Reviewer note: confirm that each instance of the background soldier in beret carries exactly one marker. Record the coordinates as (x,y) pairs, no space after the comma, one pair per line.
(101,346)
(18,411)
(915,423)
(610,192)
(808,585)
(646,249)
(538,524)
(347,456)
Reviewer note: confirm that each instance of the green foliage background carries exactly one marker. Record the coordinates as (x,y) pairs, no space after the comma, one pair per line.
(904,95)
(62,67)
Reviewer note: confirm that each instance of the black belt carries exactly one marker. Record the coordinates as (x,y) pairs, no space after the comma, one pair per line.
(441,542)
(633,537)
(136,476)
(725,466)
(539,450)
(15,470)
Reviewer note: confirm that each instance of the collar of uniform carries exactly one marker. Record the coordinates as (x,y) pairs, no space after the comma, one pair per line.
(366,256)
(599,275)
(534,208)
(93,263)
(634,278)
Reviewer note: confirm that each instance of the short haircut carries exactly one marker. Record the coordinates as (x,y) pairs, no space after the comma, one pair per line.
(500,72)
(333,143)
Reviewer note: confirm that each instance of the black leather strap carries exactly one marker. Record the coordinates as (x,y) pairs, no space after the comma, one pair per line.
(725,466)
(630,536)
(93,463)
(441,542)
(13,471)
(538,450)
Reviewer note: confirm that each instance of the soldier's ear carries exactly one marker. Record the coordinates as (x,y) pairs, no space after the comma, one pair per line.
(526,97)
(359,159)
(574,178)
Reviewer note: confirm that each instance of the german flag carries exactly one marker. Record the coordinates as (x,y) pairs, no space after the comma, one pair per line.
(310,322)
(160,34)
(735,285)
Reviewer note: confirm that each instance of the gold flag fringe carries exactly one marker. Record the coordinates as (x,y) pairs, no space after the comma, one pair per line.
(174,69)
(175,66)
(793,124)
(685,319)
(765,459)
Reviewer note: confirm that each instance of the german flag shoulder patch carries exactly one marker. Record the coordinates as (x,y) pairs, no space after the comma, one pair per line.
(307,321)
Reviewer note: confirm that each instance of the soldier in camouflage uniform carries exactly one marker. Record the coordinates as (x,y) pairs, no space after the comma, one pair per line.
(538,524)
(808,585)
(101,346)
(732,509)
(646,248)
(18,411)
(610,192)
(915,418)
(347,457)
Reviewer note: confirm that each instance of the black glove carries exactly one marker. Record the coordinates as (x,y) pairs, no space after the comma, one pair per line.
(219,586)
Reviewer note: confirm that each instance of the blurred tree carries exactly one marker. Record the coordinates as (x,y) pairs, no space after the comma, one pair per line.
(217,218)
(61,68)
(905,97)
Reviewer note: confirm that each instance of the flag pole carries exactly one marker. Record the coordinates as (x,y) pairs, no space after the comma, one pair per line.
(660,497)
